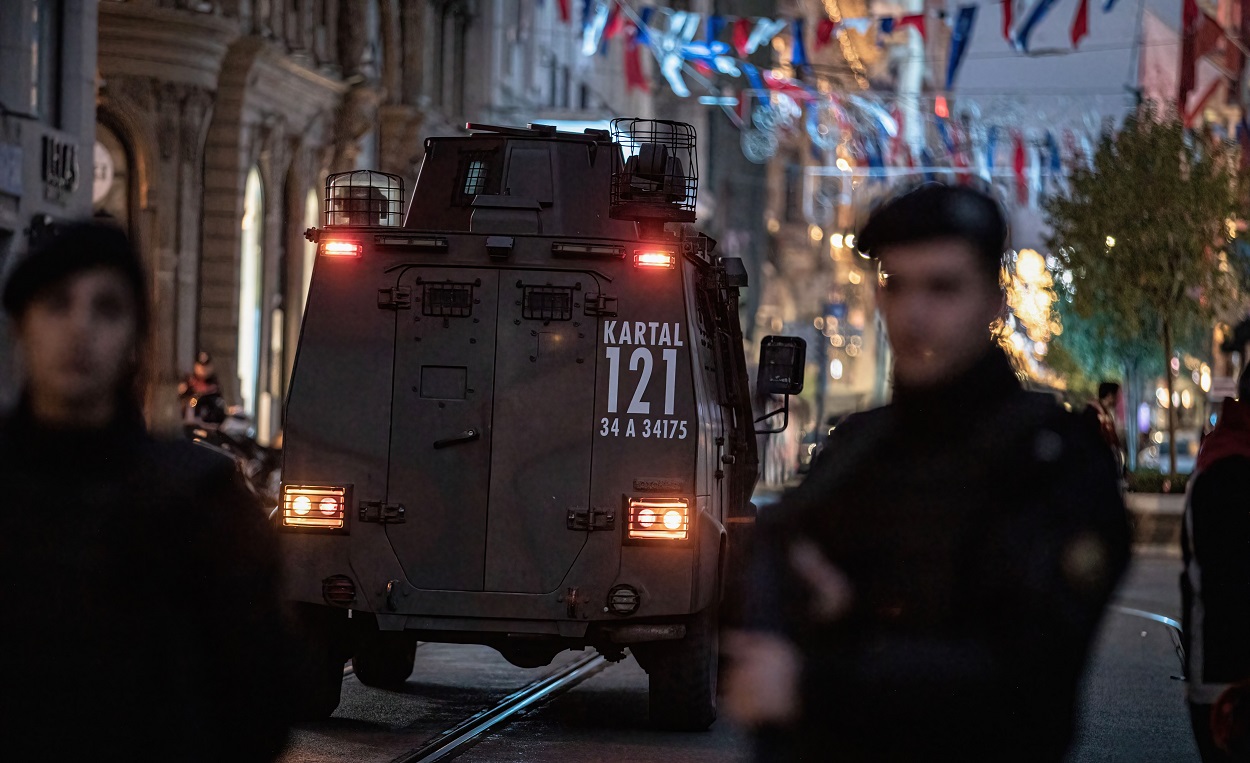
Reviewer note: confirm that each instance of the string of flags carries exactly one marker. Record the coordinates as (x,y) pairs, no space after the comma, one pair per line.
(771,105)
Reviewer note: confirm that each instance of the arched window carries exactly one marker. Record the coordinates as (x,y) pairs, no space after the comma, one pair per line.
(250,262)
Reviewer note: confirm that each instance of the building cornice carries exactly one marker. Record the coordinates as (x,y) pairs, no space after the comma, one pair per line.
(163,44)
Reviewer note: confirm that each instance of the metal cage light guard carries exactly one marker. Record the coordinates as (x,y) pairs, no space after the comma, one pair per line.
(364,198)
(657,175)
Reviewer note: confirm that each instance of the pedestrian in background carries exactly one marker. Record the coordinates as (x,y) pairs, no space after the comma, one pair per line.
(931,590)
(137,578)
(1215,585)
(1100,414)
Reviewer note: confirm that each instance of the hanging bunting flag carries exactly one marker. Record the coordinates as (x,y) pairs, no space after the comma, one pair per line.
(566,11)
(961,37)
(1018,164)
(1080,24)
(644,25)
(915,20)
(669,46)
(616,23)
(824,32)
(594,22)
(742,36)
(896,145)
(1029,25)
(1056,161)
(712,30)
(765,31)
(1007,8)
(1107,6)
(798,54)
(634,76)
(859,25)
(887,25)
(926,162)
(753,76)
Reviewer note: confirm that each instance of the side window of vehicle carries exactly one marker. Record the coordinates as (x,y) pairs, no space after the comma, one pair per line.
(479,173)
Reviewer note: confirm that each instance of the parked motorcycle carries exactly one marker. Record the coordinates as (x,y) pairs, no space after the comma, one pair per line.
(235,438)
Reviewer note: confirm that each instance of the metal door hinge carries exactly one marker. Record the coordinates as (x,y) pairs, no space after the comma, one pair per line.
(381,513)
(600,306)
(395,298)
(591,519)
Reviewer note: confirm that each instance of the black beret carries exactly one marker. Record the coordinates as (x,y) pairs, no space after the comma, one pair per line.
(935,211)
(71,249)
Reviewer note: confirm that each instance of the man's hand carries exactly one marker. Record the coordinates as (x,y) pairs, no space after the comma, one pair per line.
(762,681)
(831,591)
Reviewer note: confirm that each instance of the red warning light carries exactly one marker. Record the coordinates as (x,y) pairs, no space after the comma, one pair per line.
(341,249)
(655,260)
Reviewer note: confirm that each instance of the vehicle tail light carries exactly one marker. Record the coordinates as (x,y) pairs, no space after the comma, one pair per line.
(334,248)
(659,518)
(666,260)
(339,589)
(314,506)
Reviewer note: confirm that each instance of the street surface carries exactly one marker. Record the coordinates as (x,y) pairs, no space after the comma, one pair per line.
(1133,711)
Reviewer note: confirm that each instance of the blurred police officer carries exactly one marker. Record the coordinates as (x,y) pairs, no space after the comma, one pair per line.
(931,590)
(138,588)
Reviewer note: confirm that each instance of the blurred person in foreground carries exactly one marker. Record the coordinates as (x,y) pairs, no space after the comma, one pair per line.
(931,590)
(1215,584)
(137,578)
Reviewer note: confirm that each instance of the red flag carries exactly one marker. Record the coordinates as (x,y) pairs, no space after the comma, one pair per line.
(1007,20)
(824,32)
(1080,24)
(742,35)
(634,77)
(565,12)
(1200,35)
(1022,183)
(616,23)
(917,21)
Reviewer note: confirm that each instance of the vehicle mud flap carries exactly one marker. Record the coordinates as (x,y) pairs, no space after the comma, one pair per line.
(322,640)
(383,659)
(682,675)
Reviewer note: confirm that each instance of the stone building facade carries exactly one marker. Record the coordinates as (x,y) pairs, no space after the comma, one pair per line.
(47,120)
(220,121)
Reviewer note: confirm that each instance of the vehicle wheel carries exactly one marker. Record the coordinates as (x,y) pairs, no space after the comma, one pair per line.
(384,659)
(323,646)
(682,676)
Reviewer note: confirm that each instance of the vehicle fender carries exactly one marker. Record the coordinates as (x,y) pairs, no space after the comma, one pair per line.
(710,537)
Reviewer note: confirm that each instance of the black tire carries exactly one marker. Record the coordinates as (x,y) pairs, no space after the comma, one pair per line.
(322,646)
(682,675)
(384,659)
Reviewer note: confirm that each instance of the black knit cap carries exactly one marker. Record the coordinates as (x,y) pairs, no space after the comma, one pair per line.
(934,211)
(71,249)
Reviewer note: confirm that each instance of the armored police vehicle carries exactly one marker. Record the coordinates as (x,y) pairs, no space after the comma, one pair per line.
(521,417)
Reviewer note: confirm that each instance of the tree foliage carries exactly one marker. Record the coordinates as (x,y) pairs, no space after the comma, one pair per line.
(1144,231)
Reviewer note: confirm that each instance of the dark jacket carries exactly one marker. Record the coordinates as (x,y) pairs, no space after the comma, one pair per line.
(138,593)
(983,532)
(1215,586)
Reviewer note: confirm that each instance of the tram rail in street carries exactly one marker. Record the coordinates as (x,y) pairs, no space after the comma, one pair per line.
(465,734)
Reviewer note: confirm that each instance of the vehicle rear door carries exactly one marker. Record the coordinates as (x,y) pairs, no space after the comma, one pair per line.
(441,432)
(543,431)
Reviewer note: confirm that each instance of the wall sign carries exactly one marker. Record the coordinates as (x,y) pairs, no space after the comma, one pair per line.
(60,168)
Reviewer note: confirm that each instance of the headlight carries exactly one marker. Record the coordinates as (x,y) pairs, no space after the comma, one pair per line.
(299,501)
(659,518)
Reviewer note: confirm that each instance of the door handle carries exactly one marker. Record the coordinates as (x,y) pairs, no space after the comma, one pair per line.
(468,435)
